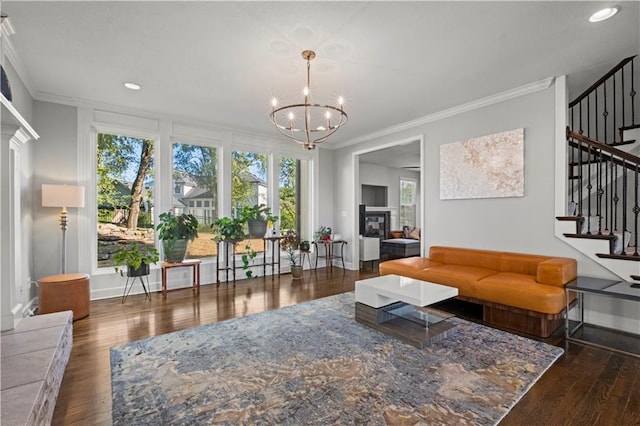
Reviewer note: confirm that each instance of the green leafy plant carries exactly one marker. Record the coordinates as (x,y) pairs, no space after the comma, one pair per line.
(173,228)
(258,212)
(229,229)
(289,243)
(247,257)
(323,233)
(134,256)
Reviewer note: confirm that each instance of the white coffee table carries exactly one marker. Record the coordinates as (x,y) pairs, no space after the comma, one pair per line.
(390,303)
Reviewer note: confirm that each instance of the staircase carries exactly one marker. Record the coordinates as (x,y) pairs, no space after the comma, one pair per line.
(603,152)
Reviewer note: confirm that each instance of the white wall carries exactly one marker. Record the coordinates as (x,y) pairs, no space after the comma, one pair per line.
(524,224)
(54,162)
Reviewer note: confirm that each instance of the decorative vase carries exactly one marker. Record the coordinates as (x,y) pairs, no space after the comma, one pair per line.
(140,272)
(175,251)
(257,228)
(296,272)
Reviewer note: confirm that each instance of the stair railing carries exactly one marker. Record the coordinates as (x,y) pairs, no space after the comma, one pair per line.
(605,181)
(610,106)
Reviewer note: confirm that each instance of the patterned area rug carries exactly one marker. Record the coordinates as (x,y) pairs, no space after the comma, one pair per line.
(311,363)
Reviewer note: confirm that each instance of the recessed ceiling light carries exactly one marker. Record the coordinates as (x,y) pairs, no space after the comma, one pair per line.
(132,86)
(603,14)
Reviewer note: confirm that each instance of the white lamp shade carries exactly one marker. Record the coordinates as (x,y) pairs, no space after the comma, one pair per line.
(62,196)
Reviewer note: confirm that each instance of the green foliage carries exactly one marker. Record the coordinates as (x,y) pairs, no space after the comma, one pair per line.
(287,182)
(244,190)
(290,244)
(145,220)
(122,160)
(323,233)
(229,229)
(247,257)
(133,255)
(172,228)
(257,212)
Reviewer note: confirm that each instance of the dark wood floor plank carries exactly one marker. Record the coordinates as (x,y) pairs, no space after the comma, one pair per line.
(569,391)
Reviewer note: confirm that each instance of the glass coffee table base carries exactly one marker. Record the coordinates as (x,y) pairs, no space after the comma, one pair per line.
(419,327)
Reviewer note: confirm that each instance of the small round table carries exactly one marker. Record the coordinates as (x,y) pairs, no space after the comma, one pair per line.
(64,292)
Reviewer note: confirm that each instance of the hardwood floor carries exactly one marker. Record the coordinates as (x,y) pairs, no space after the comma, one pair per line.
(585,386)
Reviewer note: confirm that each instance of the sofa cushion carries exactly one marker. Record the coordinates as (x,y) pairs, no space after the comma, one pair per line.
(408,267)
(462,277)
(521,291)
(396,234)
(557,271)
(469,257)
(411,232)
(521,263)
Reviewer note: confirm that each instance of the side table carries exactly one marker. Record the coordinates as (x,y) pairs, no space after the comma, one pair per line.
(330,251)
(64,292)
(194,264)
(598,287)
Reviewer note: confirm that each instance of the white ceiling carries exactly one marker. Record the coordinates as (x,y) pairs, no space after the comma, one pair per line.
(221,62)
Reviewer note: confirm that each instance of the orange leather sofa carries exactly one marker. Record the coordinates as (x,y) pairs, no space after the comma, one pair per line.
(524,292)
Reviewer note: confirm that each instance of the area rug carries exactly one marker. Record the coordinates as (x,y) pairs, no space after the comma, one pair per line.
(311,363)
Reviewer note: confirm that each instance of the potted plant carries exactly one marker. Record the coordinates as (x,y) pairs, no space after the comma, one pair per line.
(289,243)
(136,258)
(323,233)
(232,230)
(305,245)
(257,219)
(229,229)
(175,233)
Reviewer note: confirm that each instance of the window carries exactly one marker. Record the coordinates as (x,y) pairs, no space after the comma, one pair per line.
(408,189)
(249,187)
(196,168)
(294,196)
(125,195)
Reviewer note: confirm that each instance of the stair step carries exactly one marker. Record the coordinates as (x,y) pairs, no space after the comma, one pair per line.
(591,236)
(569,218)
(619,256)
(629,142)
(629,127)
(635,277)
(575,177)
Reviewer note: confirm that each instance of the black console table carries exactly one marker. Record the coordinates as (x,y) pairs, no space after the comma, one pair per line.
(230,251)
(600,287)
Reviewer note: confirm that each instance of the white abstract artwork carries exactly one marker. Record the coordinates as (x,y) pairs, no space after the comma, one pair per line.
(484,167)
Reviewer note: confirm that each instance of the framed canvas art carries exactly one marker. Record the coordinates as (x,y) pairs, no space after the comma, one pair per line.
(489,166)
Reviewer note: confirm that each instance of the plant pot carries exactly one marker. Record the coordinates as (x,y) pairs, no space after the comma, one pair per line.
(175,251)
(305,246)
(140,272)
(257,228)
(296,272)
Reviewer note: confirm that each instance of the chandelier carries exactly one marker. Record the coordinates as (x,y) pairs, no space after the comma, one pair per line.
(308,124)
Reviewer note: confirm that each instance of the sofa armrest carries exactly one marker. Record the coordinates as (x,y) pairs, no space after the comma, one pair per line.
(557,271)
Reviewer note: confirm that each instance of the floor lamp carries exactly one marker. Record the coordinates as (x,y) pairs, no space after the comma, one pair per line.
(63,196)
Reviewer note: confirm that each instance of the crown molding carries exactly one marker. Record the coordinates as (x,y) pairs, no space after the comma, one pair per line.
(12,56)
(18,119)
(470,106)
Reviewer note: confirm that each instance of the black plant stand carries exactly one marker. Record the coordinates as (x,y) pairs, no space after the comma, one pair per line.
(131,279)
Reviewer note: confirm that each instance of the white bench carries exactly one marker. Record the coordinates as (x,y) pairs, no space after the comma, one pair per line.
(34,357)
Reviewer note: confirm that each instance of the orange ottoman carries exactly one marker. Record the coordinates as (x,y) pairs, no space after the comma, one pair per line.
(64,292)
